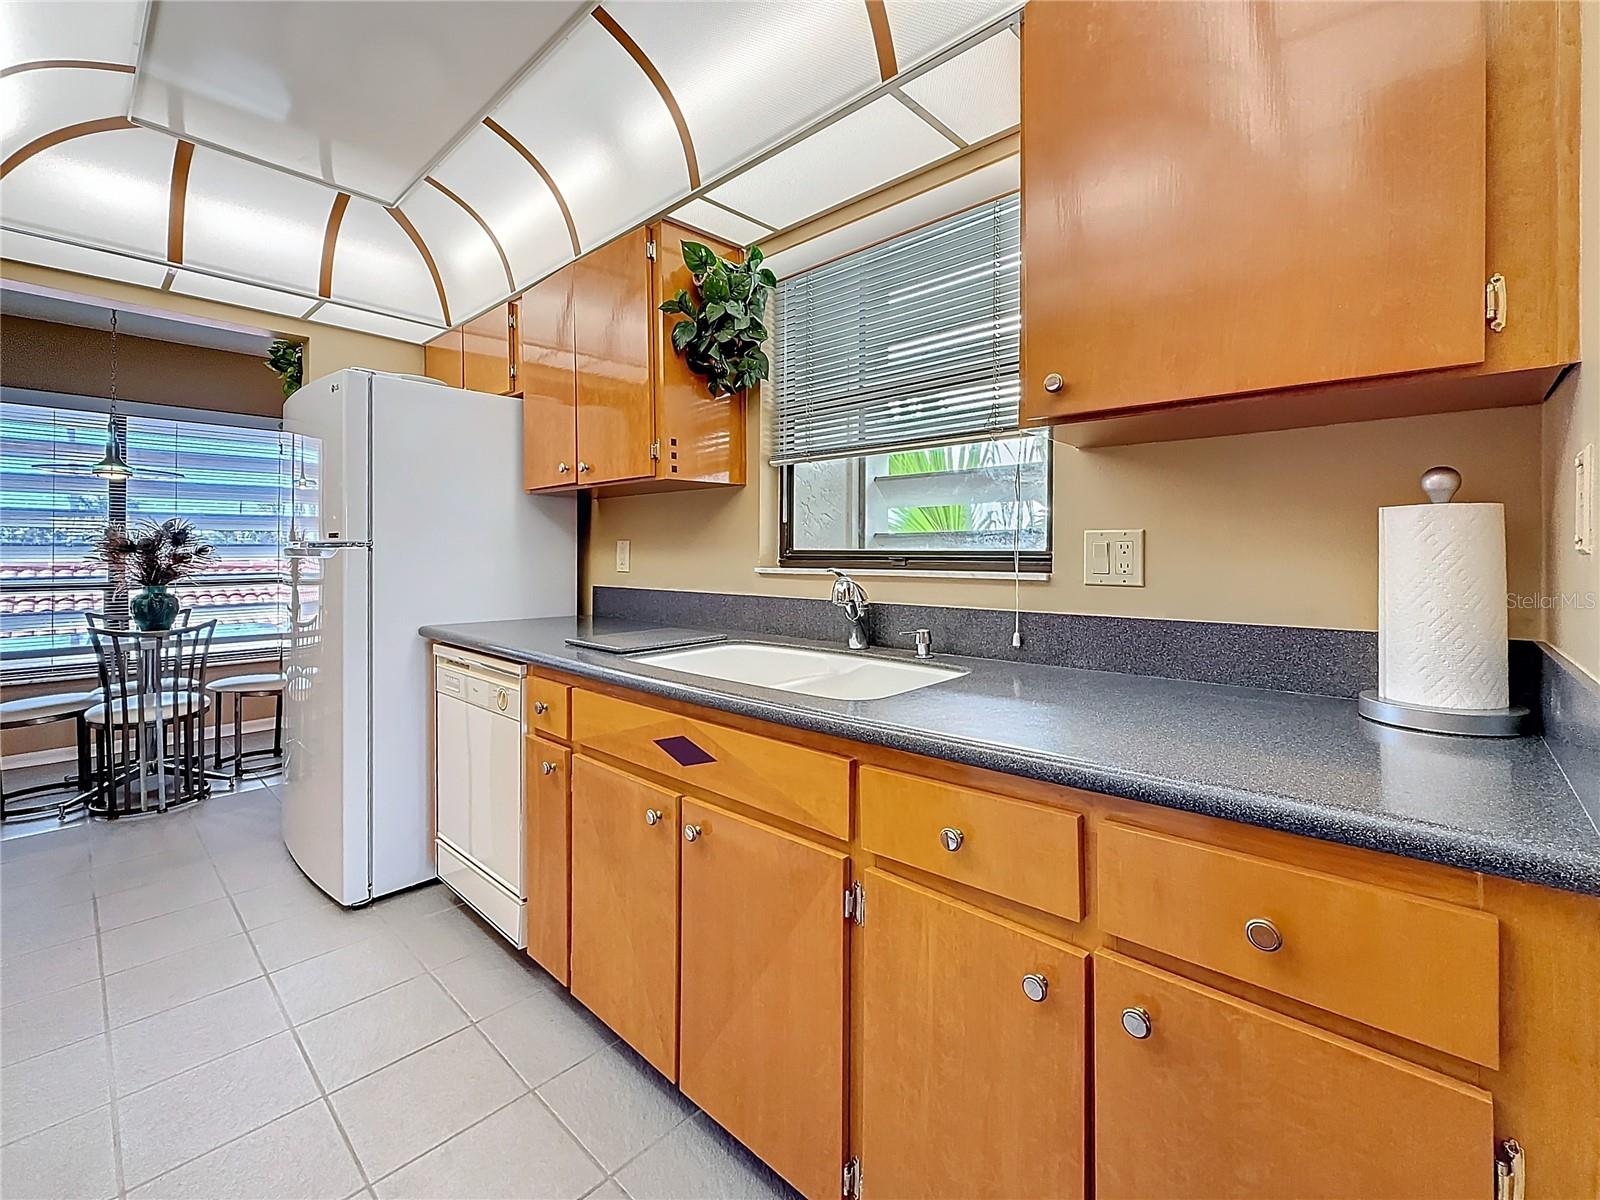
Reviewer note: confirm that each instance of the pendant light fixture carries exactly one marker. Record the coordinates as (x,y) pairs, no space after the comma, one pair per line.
(113,467)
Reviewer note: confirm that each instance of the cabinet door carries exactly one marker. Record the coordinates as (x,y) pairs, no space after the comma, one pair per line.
(442,358)
(969,1087)
(486,352)
(763,1009)
(1225,1099)
(549,379)
(1224,198)
(547,773)
(613,323)
(625,907)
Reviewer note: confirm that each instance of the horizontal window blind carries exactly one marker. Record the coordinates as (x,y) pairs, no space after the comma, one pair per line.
(913,342)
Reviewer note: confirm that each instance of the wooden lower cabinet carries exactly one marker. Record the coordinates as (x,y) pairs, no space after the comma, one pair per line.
(625,907)
(548,771)
(1227,1099)
(763,1012)
(968,1086)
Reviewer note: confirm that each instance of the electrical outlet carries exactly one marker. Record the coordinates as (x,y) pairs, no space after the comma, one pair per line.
(624,548)
(1583,501)
(1113,557)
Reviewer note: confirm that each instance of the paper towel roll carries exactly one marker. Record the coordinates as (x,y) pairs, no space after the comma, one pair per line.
(1442,605)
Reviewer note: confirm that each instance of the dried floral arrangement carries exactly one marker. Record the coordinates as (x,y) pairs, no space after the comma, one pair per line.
(153,554)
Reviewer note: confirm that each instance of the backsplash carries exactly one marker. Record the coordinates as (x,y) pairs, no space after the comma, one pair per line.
(1570,703)
(1327,662)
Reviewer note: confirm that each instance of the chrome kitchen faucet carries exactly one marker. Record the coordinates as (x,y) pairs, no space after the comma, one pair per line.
(849,595)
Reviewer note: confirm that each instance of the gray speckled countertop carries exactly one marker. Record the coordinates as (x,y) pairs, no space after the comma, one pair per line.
(1303,764)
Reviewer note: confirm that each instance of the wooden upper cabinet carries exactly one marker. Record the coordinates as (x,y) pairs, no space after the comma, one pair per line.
(1232,198)
(1225,1099)
(702,436)
(549,379)
(624,958)
(614,324)
(762,1035)
(968,1087)
(487,354)
(442,358)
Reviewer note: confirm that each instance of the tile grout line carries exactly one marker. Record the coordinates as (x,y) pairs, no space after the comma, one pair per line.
(111,1058)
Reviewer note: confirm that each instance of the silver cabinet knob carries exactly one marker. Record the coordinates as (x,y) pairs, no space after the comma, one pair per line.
(652,816)
(1263,935)
(547,768)
(691,833)
(583,467)
(951,838)
(1136,1023)
(1035,987)
(562,468)
(1053,382)
(540,708)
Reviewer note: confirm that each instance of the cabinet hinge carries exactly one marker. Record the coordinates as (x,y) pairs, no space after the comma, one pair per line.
(650,249)
(1494,302)
(851,1184)
(511,318)
(855,904)
(1510,1171)
(655,449)
(513,370)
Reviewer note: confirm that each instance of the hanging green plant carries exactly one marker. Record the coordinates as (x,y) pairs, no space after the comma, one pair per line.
(287,359)
(721,339)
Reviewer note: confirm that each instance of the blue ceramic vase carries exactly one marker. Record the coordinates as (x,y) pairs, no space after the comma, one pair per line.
(153,608)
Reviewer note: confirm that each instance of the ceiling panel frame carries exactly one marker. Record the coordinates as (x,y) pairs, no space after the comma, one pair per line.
(65,134)
(76,64)
(505,263)
(512,140)
(625,40)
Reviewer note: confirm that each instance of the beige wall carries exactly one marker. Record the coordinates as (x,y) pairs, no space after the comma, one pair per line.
(327,349)
(1572,414)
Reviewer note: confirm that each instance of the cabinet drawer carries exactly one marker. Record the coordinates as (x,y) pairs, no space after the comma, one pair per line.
(1422,969)
(1200,1094)
(549,707)
(1025,852)
(809,787)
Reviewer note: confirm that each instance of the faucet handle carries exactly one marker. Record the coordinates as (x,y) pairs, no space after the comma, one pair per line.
(924,641)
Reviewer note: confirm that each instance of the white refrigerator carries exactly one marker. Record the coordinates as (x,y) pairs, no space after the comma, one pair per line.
(409,511)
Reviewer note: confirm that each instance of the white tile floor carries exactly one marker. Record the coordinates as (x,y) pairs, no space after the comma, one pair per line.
(183,1015)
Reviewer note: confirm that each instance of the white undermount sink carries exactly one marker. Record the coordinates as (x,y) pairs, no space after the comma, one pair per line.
(825,673)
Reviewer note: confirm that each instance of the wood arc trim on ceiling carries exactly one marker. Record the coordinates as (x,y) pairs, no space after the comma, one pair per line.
(482,224)
(77,64)
(330,238)
(427,257)
(178,199)
(882,40)
(561,201)
(609,23)
(65,134)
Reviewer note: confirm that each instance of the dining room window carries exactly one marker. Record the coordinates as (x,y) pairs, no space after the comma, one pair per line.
(231,476)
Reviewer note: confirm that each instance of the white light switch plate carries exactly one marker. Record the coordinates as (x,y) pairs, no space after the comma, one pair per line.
(1583,501)
(624,552)
(1113,557)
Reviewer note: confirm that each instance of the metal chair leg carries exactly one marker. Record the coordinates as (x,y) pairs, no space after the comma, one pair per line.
(277,726)
(217,744)
(238,737)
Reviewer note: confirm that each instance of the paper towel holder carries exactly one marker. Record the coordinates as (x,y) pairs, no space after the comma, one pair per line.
(1440,485)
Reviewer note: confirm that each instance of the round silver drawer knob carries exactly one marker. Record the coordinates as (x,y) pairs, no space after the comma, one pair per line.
(540,708)
(562,468)
(1136,1023)
(583,467)
(547,768)
(652,816)
(951,839)
(691,833)
(1053,382)
(1263,935)
(1035,987)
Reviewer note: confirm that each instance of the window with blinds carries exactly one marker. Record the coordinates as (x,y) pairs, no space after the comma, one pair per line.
(910,343)
(231,481)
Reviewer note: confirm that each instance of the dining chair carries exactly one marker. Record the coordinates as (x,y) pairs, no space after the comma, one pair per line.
(52,707)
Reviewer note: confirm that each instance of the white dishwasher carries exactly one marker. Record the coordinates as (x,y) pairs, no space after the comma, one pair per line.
(478,747)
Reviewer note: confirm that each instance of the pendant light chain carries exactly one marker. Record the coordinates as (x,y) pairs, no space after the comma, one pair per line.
(113,467)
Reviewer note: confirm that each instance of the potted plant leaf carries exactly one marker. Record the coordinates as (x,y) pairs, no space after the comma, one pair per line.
(155,555)
(721,339)
(287,359)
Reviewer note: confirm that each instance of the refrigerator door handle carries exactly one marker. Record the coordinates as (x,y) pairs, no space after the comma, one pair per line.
(322,549)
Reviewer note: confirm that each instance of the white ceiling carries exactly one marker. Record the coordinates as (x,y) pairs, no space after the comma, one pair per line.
(397,166)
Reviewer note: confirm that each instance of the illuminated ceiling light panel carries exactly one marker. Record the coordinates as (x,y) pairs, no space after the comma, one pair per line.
(854,155)
(42,30)
(244,295)
(375,323)
(979,92)
(108,189)
(920,29)
(813,57)
(99,264)
(33,103)
(336,91)
(719,222)
(596,123)
(253,223)
(377,265)
(471,269)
